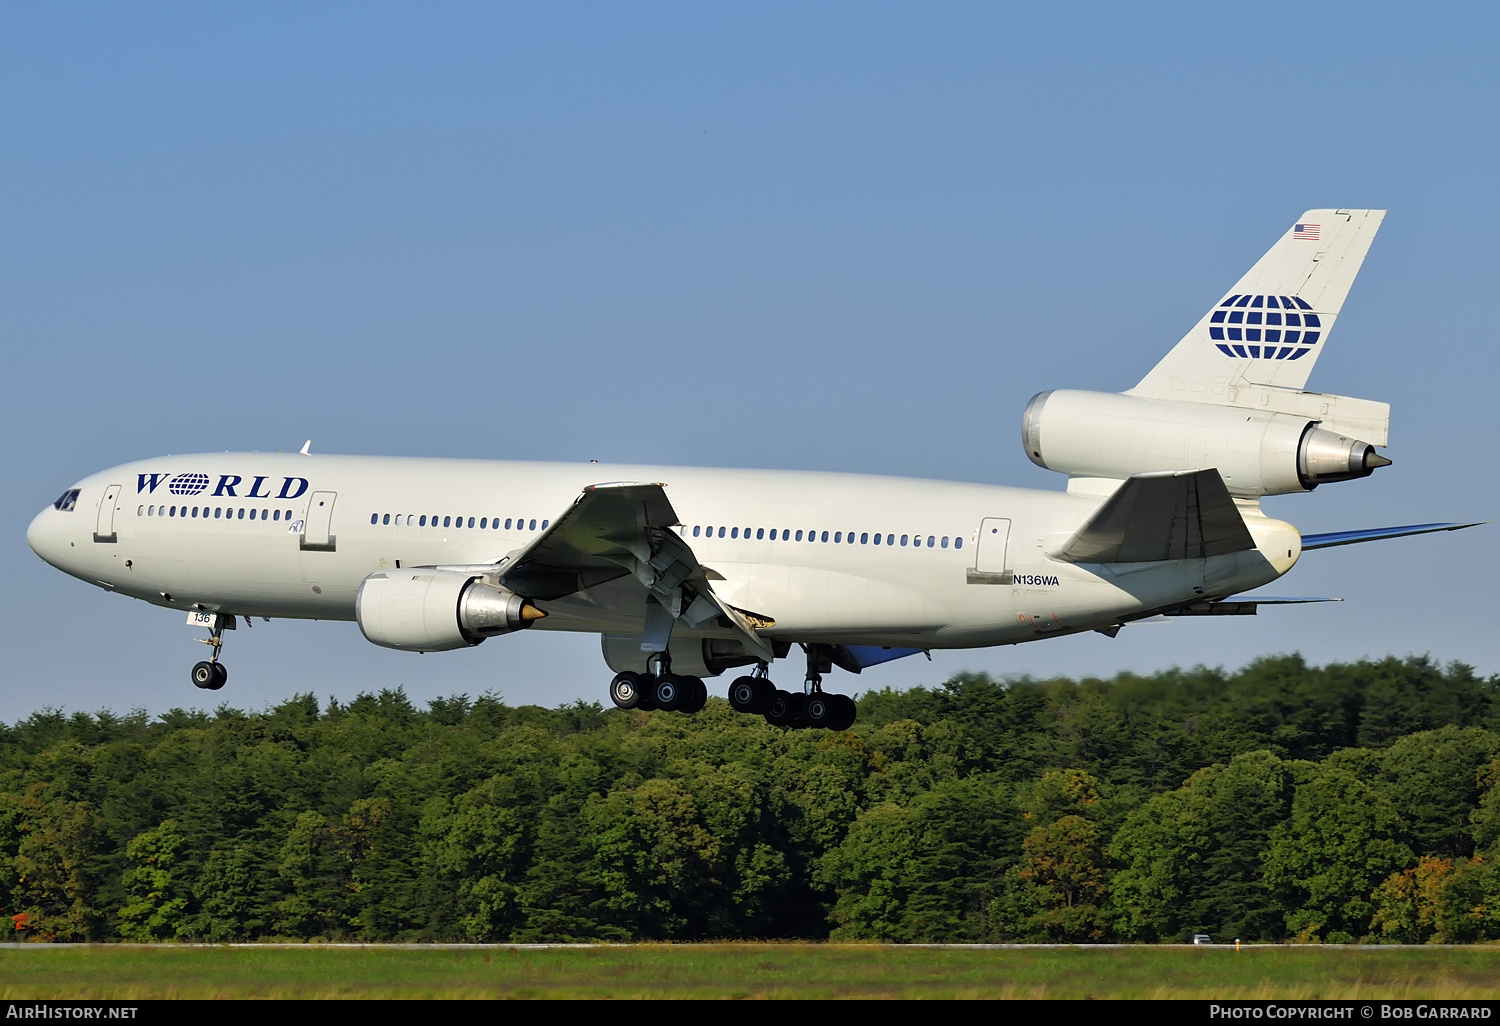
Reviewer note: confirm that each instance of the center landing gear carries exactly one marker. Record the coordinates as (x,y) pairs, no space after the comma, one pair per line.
(210,674)
(664,690)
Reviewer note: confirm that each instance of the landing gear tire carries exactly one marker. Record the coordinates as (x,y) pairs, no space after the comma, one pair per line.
(785,709)
(627,689)
(209,676)
(673,693)
(697,694)
(819,710)
(845,712)
(751,695)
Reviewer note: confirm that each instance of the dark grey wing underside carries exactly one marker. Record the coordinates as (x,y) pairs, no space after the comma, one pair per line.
(624,530)
(1171,515)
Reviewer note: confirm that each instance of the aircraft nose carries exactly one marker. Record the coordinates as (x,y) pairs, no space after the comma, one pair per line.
(44,535)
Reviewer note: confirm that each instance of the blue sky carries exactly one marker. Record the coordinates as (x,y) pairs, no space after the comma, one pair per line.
(824,236)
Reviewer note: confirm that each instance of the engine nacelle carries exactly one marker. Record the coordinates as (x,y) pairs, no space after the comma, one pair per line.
(1102,434)
(426,610)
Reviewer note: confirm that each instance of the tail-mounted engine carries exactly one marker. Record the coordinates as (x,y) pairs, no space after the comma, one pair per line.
(426,610)
(1258,450)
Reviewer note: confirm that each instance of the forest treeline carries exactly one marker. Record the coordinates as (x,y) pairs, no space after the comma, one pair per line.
(1350,801)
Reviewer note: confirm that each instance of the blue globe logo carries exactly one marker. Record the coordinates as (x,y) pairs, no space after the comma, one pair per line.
(187,484)
(1265,327)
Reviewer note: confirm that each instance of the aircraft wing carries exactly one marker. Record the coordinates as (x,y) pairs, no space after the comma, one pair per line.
(1327,541)
(620,530)
(1185,514)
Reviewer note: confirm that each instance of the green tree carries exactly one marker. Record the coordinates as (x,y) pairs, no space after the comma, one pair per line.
(1192,860)
(157,903)
(1338,845)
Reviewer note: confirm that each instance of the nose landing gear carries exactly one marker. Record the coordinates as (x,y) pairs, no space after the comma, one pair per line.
(210,674)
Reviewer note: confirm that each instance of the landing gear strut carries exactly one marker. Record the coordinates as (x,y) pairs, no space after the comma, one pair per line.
(210,674)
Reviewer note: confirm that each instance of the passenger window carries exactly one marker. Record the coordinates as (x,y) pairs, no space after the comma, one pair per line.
(838,536)
(890,539)
(958,543)
(422,520)
(507,523)
(275,514)
(903,541)
(241,514)
(760,533)
(471,521)
(825,535)
(945,541)
(877,539)
(697,531)
(864,538)
(930,541)
(374,518)
(533,525)
(799,535)
(447,521)
(483,522)
(195,512)
(734,532)
(217,511)
(721,532)
(387,518)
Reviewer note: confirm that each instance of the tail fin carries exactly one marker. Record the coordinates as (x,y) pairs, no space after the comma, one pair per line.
(1270,328)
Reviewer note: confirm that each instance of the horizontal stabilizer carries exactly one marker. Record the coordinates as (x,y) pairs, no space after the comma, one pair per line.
(1185,514)
(1328,541)
(1237,605)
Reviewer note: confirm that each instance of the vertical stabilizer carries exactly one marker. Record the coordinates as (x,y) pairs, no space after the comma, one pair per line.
(1269,329)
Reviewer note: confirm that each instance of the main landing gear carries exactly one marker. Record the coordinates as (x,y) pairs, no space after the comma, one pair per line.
(811,708)
(664,689)
(755,694)
(210,674)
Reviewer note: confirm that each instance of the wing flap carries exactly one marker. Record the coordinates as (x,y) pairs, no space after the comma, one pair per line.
(1162,516)
(624,529)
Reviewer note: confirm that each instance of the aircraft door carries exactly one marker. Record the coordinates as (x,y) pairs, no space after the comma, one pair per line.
(104,525)
(990,566)
(317,529)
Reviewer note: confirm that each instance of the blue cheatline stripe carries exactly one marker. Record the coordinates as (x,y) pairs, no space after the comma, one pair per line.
(1324,541)
(874,655)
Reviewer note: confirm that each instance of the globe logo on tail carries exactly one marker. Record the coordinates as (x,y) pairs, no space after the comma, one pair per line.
(1265,327)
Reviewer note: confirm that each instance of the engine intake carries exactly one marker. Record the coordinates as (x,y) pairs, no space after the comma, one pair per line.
(1257,452)
(426,610)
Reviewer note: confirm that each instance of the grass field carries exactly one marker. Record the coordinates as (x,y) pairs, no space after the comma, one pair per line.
(123,972)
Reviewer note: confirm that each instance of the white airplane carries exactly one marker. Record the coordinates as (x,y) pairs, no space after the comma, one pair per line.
(687,572)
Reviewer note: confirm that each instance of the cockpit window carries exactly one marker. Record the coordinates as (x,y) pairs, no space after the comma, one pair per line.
(67,500)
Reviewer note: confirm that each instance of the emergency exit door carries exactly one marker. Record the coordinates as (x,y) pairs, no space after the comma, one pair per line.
(990,566)
(317,530)
(104,524)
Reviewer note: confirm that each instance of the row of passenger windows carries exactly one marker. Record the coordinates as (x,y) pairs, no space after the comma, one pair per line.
(218,512)
(837,538)
(483,523)
(1254,317)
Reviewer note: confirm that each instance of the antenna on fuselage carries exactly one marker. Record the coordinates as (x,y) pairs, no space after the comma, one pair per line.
(306,449)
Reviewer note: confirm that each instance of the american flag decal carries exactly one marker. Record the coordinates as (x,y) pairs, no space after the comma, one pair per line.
(1310,232)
